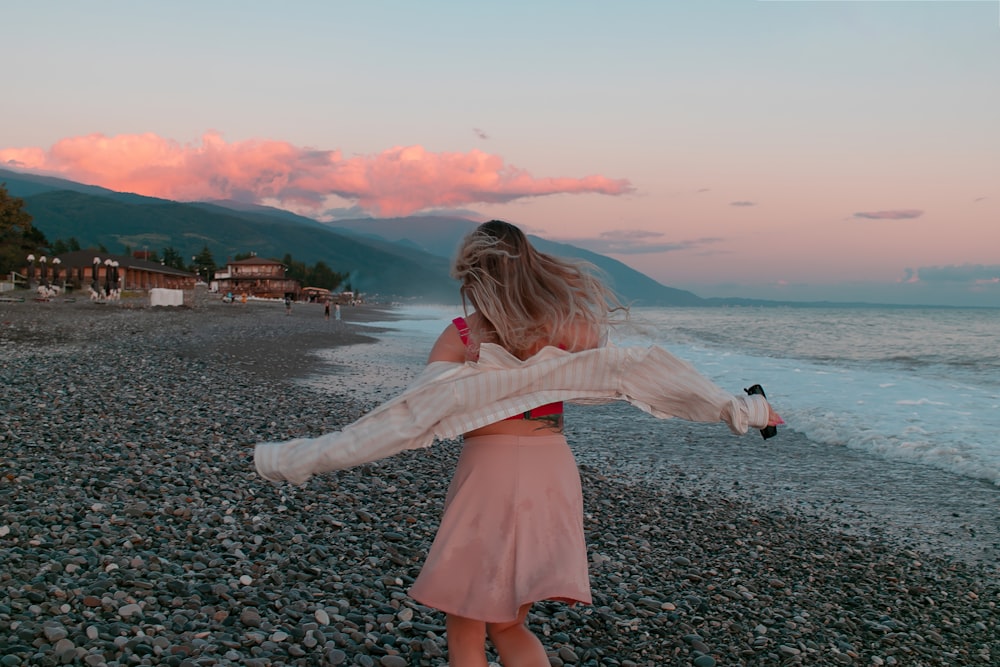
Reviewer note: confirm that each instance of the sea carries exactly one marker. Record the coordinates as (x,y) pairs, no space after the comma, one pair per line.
(892,413)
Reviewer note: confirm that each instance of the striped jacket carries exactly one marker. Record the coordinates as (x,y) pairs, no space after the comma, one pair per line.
(448,399)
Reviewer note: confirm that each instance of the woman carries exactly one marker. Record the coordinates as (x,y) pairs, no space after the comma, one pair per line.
(512,530)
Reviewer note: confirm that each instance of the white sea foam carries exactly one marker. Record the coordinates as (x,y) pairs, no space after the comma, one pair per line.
(899,397)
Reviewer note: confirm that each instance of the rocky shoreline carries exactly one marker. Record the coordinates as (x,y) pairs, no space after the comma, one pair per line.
(134,531)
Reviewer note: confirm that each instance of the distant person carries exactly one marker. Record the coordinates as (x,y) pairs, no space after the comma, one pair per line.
(326,309)
(512,532)
(336,312)
(288,305)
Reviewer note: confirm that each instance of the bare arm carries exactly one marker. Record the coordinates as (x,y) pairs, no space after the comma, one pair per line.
(448,347)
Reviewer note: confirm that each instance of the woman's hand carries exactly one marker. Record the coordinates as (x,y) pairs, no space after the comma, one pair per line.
(773,418)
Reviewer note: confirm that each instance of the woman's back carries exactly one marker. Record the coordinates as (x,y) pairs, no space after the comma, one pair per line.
(459,343)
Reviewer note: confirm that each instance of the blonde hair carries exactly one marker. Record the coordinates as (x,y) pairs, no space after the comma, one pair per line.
(526,297)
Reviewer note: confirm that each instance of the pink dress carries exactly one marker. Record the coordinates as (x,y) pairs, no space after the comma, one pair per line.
(512,530)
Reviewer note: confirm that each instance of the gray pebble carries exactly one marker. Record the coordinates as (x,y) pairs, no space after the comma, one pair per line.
(134,531)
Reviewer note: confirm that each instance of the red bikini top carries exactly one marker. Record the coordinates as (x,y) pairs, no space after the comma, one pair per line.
(541,411)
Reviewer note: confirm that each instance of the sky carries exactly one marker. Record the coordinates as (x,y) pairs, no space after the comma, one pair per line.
(775,149)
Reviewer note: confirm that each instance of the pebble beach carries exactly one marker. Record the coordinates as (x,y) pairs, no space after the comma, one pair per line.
(135,531)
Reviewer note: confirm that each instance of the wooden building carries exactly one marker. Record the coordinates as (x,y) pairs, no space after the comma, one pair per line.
(315,294)
(258,277)
(83,269)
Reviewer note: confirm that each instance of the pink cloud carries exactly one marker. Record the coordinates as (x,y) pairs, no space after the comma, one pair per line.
(899,214)
(397,181)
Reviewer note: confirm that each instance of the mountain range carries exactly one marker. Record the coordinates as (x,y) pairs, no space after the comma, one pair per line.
(391,257)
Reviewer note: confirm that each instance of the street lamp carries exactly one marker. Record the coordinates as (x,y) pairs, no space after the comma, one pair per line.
(107,276)
(45,271)
(31,269)
(114,274)
(55,271)
(93,275)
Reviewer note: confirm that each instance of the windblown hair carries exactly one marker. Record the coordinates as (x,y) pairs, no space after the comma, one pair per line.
(528,297)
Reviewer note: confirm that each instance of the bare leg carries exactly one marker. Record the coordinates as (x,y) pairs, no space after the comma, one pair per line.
(517,645)
(466,642)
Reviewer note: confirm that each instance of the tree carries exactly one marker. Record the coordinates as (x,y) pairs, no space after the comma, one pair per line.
(204,264)
(18,238)
(321,275)
(60,247)
(293,269)
(172,258)
(318,275)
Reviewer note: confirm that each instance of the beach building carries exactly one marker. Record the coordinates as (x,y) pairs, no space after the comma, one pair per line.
(83,269)
(257,277)
(316,294)
(347,298)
